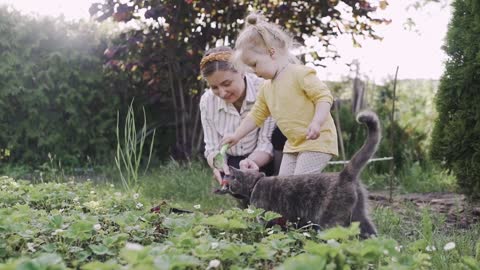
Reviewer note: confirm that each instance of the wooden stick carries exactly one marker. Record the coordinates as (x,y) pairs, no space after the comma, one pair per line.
(392,137)
(339,128)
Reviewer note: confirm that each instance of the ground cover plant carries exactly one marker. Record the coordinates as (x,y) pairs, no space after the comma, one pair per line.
(81,225)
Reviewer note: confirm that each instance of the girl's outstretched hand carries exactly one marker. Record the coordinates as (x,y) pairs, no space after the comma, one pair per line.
(230,139)
(313,131)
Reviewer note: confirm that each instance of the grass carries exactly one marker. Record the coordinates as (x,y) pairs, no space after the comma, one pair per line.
(186,186)
(425,229)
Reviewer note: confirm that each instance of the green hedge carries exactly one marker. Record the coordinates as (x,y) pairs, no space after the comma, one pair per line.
(54,96)
(456,136)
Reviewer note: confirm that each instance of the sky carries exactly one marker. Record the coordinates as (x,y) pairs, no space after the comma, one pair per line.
(417,52)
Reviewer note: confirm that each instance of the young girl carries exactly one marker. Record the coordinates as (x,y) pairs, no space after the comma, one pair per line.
(291,94)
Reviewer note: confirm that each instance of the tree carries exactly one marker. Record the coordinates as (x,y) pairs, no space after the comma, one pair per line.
(456,135)
(163,49)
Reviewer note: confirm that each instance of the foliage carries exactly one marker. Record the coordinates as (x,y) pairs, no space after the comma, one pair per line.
(78,225)
(414,117)
(54,97)
(412,125)
(129,153)
(456,136)
(163,43)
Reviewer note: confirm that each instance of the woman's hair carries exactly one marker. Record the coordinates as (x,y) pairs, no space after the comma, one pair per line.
(260,36)
(216,59)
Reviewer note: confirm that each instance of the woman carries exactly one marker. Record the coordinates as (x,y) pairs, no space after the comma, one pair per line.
(223,106)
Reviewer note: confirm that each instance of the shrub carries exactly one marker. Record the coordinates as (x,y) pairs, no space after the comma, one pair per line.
(456,135)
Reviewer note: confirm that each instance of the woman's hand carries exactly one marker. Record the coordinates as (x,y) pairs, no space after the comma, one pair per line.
(248,164)
(217,175)
(313,131)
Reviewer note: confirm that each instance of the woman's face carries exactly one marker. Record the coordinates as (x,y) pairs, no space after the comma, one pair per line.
(227,85)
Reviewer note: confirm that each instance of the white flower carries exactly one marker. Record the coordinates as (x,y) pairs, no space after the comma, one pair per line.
(430,248)
(213,264)
(97,227)
(270,232)
(112,186)
(385,252)
(306,234)
(197,206)
(133,246)
(31,247)
(136,196)
(333,242)
(89,180)
(139,205)
(449,246)
(92,204)
(214,245)
(250,211)
(58,231)
(399,248)
(76,199)
(118,194)
(222,233)
(92,192)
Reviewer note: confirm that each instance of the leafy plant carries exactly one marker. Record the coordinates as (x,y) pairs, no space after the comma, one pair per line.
(81,226)
(130,152)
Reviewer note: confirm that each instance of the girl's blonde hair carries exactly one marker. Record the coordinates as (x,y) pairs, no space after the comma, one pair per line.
(260,36)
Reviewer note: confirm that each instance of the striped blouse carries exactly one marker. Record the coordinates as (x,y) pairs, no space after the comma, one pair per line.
(220,118)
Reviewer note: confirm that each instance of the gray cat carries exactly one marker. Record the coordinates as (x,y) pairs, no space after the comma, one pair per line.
(325,199)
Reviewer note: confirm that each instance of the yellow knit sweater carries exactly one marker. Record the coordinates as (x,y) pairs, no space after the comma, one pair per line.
(290,100)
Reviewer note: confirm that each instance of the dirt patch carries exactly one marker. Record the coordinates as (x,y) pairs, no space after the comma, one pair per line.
(458,211)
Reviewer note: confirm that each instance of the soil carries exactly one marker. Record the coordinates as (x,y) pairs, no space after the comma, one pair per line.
(458,211)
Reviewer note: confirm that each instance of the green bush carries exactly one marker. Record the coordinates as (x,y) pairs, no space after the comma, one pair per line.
(54,96)
(456,135)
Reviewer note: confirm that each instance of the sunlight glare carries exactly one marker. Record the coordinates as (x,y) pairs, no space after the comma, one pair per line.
(71,9)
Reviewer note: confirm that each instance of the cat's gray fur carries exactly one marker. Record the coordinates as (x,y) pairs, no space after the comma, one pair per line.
(325,199)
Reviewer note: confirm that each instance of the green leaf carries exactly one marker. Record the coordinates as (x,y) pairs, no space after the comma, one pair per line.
(304,262)
(341,233)
(82,230)
(101,266)
(263,252)
(100,250)
(269,215)
(220,222)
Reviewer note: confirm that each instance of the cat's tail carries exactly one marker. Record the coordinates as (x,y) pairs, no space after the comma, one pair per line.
(360,159)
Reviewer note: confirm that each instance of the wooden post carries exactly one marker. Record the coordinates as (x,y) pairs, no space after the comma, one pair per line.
(392,137)
(336,105)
